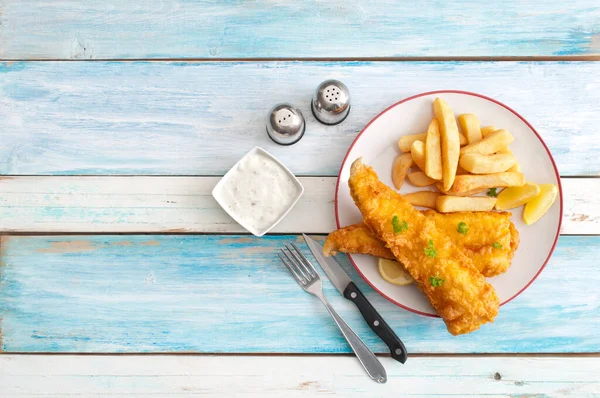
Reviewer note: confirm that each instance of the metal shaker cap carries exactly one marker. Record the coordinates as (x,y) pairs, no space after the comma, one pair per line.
(331,102)
(285,124)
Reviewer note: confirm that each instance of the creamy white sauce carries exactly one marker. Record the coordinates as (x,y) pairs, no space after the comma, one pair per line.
(258,191)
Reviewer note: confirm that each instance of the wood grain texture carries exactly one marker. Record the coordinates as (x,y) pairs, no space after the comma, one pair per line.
(199,118)
(275,28)
(230,294)
(150,376)
(143,204)
(88,204)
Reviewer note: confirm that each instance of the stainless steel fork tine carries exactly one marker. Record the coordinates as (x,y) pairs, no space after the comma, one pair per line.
(297,264)
(310,268)
(301,265)
(297,267)
(291,268)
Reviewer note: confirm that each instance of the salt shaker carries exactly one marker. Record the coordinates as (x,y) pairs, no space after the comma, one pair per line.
(285,124)
(331,102)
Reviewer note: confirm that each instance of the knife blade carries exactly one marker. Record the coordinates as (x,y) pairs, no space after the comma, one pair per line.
(350,291)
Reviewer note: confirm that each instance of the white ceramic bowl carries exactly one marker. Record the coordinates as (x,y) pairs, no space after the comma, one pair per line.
(219,193)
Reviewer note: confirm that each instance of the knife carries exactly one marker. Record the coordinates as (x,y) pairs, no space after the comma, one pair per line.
(349,290)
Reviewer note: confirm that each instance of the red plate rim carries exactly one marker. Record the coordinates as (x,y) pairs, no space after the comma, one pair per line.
(337,186)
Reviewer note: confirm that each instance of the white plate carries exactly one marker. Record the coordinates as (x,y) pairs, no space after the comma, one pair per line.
(377,145)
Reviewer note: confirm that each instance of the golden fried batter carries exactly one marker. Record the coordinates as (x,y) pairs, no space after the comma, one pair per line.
(356,238)
(484,230)
(447,277)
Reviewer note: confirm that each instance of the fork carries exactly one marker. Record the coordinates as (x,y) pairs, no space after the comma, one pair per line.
(308,278)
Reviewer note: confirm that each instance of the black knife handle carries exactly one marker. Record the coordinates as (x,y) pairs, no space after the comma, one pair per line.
(376,322)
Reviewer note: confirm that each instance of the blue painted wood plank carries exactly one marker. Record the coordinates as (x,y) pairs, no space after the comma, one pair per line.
(111,29)
(199,118)
(213,294)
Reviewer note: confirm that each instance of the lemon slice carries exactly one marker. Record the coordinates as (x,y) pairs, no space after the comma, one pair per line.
(538,206)
(393,272)
(513,197)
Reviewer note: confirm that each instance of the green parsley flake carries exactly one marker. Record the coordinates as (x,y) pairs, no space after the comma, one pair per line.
(497,245)
(435,281)
(492,192)
(462,228)
(399,226)
(430,251)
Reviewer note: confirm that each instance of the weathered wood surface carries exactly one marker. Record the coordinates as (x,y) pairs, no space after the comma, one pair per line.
(174,118)
(215,29)
(231,294)
(93,204)
(265,376)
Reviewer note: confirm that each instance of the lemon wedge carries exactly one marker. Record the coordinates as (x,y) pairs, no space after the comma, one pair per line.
(538,206)
(513,197)
(393,272)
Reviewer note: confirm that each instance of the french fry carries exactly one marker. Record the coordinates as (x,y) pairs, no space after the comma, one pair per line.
(487,164)
(417,150)
(451,204)
(406,141)
(460,170)
(469,182)
(517,166)
(420,179)
(400,168)
(487,130)
(472,192)
(470,126)
(433,152)
(422,198)
(494,142)
(462,139)
(450,139)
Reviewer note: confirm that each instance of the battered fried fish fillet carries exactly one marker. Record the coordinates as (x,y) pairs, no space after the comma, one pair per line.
(447,277)
(356,238)
(485,230)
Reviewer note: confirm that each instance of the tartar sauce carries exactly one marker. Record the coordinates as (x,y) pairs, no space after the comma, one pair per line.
(258,191)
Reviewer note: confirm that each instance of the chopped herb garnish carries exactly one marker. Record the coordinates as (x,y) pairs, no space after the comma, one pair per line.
(462,228)
(497,245)
(492,192)
(430,251)
(435,281)
(399,226)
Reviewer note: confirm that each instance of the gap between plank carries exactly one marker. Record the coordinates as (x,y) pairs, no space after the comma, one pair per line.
(206,175)
(276,354)
(166,232)
(186,233)
(574,58)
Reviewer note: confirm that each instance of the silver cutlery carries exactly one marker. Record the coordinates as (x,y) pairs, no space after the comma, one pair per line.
(308,278)
(350,291)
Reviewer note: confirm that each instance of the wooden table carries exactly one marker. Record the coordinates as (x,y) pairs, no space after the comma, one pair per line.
(116,120)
